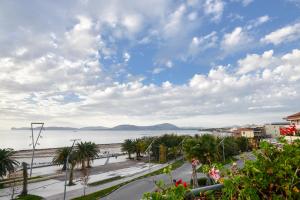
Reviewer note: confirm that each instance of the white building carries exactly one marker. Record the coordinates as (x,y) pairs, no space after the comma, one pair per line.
(273,129)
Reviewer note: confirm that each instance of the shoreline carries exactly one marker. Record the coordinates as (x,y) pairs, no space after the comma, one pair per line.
(50,152)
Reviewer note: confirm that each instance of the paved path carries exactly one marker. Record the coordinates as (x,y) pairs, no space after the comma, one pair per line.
(136,189)
(79,192)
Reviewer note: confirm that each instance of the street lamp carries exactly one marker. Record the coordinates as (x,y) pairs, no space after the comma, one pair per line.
(67,165)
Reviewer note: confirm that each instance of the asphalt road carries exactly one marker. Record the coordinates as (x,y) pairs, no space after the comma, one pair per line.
(136,189)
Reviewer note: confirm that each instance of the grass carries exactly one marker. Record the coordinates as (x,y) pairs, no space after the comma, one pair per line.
(105,181)
(29,197)
(107,191)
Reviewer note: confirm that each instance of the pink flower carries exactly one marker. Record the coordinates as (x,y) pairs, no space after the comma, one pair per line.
(214,174)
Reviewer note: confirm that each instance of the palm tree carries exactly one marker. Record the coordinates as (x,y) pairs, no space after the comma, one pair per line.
(82,153)
(73,160)
(61,157)
(87,151)
(7,164)
(128,146)
(92,151)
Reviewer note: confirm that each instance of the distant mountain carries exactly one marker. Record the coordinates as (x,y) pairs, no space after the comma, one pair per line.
(165,126)
(46,128)
(91,128)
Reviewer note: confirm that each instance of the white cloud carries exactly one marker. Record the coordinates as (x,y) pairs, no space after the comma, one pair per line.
(200,44)
(235,40)
(218,94)
(169,64)
(259,21)
(126,57)
(214,8)
(157,70)
(283,35)
(253,62)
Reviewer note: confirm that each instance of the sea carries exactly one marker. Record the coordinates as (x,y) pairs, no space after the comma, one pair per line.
(21,139)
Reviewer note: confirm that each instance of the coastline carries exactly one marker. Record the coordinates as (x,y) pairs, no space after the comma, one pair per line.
(50,152)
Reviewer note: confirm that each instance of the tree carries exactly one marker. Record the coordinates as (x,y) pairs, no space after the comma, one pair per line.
(139,147)
(7,164)
(92,152)
(82,153)
(128,146)
(204,148)
(73,160)
(60,157)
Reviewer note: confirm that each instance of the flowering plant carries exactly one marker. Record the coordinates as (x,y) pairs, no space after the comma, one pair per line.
(180,182)
(214,173)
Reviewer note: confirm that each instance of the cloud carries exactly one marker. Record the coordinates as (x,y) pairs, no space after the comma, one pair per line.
(214,8)
(253,62)
(235,40)
(220,93)
(126,57)
(283,35)
(259,21)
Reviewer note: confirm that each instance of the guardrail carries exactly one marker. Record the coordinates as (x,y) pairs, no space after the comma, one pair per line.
(197,191)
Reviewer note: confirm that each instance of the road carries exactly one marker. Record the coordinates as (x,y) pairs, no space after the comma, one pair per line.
(136,189)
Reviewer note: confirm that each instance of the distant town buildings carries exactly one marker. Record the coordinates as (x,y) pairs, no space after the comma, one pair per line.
(294,119)
(273,129)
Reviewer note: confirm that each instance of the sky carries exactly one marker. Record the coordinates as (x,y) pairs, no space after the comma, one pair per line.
(203,63)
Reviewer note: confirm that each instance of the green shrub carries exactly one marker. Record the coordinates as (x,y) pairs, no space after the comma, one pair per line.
(275,174)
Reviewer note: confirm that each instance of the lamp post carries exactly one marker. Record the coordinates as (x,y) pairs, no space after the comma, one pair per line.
(67,165)
(35,142)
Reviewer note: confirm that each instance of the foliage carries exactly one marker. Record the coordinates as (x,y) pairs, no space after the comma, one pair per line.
(128,146)
(167,193)
(209,148)
(7,164)
(274,174)
(138,146)
(204,148)
(61,157)
(86,151)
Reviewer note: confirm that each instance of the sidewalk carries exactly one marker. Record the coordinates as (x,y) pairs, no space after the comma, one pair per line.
(53,188)
(79,191)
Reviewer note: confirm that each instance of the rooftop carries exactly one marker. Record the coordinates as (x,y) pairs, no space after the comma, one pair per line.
(293,116)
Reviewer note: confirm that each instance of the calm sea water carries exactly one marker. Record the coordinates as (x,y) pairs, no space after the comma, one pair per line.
(20,139)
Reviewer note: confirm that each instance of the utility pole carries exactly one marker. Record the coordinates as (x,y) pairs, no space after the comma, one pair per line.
(67,165)
(148,149)
(222,141)
(35,142)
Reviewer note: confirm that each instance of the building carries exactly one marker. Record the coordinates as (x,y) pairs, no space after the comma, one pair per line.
(246,132)
(273,129)
(294,119)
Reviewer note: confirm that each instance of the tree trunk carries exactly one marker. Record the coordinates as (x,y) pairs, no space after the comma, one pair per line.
(89,163)
(64,166)
(83,164)
(129,155)
(25,179)
(71,175)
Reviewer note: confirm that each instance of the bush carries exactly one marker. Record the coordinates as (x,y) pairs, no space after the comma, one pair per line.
(201,182)
(275,174)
